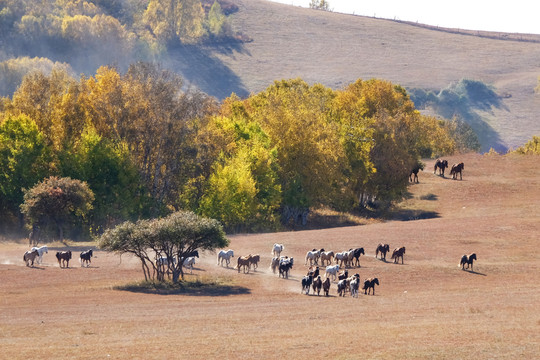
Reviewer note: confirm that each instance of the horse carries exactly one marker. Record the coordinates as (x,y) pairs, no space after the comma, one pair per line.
(277,249)
(254,260)
(342,257)
(332,270)
(85,257)
(342,287)
(188,263)
(285,265)
(441,165)
(457,168)
(467,260)
(398,253)
(306,283)
(193,253)
(326,286)
(383,249)
(317,285)
(41,250)
(357,253)
(354,284)
(326,256)
(225,255)
(370,284)
(63,258)
(30,255)
(414,171)
(243,261)
(313,256)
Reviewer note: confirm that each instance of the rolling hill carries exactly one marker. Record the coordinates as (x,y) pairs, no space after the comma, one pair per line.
(336,49)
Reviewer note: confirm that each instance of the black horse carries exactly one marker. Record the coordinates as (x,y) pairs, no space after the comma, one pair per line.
(441,165)
(86,257)
(63,258)
(370,284)
(356,254)
(467,260)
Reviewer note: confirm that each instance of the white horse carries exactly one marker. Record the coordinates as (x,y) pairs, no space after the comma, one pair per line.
(225,255)
(332,270)
(41,250)
(189,262)
(277,249)
(313,257)
(342,257)
(163,261)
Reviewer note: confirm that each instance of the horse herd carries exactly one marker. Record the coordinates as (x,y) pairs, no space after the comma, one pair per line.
(63,257)
(333,262)
(440,165)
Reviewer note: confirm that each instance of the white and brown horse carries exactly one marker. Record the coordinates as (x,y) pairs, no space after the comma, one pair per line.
(398,253)
(383,249)
(457,169)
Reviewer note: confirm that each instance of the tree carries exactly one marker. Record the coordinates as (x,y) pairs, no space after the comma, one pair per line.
(173,237)
(319,5)
(24,159)
(61,200)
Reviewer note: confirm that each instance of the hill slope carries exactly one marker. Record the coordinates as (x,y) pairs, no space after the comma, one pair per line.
(336,49)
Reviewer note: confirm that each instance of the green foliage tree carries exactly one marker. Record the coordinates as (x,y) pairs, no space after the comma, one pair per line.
(172,237)
(24,160)
(61,200)
(110,174)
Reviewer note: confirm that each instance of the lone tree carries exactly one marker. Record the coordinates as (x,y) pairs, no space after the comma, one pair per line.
(173,238)
(58,199)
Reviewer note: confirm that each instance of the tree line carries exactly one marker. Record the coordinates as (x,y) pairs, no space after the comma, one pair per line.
(146,147)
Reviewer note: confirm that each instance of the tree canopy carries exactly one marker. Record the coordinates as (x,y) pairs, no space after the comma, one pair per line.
(173,238)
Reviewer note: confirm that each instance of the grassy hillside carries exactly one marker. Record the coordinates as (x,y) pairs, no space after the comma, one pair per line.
(335,49)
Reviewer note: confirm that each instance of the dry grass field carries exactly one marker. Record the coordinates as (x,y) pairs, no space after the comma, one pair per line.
(426,308)
(336,49)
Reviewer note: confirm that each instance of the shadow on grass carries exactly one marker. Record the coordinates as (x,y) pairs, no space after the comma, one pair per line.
(409,215)
(474,272)
(189,288)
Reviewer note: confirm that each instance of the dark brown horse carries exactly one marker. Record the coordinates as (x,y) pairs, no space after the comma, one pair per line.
(398,253)
(369,284)
(63,258)
(30,256)
(383,249)
(414,171)
(457,168)
(467,260)
(441,165)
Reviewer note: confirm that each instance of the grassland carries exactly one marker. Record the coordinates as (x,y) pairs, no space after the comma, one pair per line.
(426,308)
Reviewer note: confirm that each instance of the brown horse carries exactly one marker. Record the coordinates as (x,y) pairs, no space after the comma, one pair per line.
(254,260)
(441,165)
(457,168)
(369,284)
(244,261)
(398,253)
(467,260)
(30,256)
(63,258)
(383,249)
